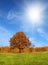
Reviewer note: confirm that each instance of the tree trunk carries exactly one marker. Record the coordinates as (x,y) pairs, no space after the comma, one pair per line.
(20,50)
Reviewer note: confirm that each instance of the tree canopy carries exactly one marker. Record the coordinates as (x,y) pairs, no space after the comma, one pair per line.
(19,40)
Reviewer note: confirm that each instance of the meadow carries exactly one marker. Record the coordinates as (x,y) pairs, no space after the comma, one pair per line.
(36,58)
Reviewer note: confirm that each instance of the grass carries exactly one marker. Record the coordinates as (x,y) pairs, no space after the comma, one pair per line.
(40,58)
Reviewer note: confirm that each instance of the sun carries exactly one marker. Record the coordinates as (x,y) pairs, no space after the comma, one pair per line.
(34,13)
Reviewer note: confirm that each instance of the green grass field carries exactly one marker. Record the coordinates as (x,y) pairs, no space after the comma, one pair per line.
(24,59)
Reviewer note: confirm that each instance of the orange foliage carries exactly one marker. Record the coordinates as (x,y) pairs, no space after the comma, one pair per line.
(32,49)
(6,49)
(15,50)
(38,49)
(1,49)
(46,48)
(26,50)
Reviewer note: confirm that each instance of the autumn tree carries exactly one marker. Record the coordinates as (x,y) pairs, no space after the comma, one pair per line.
(0,49)
(38,49)
(45,48)
(19,40)
(26,50)
(6,49)
(15,50)
(32,49)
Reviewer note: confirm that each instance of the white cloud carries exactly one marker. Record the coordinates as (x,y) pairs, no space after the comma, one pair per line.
(42,33)
(14,15)
(40,30)
(11,15)
(4,36)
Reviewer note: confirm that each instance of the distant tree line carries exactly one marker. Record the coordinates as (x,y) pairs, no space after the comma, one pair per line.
(7,49)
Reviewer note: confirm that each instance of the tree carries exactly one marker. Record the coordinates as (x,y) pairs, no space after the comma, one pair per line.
(46,48)
(0,49)
(6,49)
(32,49)
(38,49)
(15,50)
(19,40)
(26,50)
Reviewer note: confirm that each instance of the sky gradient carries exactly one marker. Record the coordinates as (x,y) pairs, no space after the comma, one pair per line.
(15,16)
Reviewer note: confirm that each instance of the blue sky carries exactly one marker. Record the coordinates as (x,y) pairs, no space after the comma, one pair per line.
(16,16)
